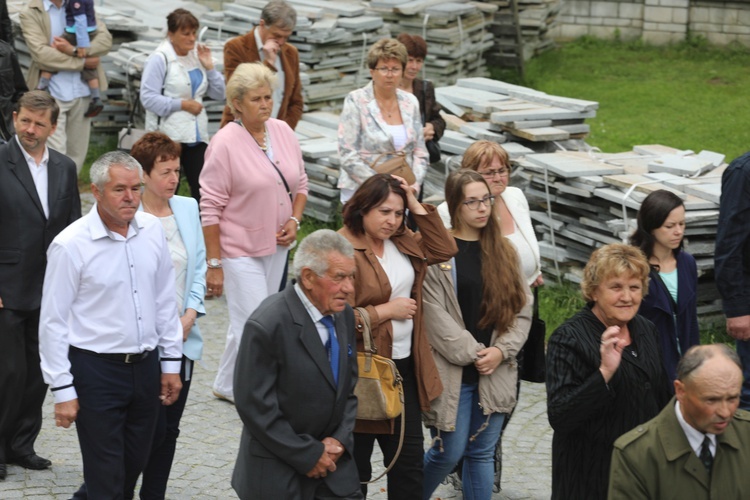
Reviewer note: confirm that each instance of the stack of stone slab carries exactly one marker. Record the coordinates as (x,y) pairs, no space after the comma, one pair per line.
(535,19)
(583,200)
(457,34)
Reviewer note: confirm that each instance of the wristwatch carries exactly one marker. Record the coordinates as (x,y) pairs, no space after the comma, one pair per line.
(214,263)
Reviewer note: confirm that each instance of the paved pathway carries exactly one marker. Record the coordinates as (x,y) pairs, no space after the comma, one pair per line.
(211,430)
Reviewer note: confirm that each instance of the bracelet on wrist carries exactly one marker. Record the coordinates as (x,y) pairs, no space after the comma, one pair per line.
(295,219)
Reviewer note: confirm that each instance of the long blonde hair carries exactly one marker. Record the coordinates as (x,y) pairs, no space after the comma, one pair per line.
(503,294)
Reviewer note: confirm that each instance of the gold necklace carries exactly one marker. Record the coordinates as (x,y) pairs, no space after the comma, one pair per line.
(384,110)
(148,209)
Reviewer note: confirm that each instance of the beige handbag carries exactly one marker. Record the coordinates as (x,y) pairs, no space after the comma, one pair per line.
(396,166)
(379,389)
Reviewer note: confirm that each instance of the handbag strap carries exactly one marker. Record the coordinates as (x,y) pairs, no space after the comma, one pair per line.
(422,102)
(400,444)
(536,302)
(391,153)
(370,349)
(283,179)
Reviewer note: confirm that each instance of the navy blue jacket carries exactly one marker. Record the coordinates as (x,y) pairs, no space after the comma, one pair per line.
(677,332)
(732,254)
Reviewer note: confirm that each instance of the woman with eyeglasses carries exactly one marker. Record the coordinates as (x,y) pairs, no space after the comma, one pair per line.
(477,313)
(491,161)
(380,119)
(391,265)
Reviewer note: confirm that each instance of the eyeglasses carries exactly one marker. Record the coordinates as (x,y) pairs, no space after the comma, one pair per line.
(489,174)
(487,201)
(388,71)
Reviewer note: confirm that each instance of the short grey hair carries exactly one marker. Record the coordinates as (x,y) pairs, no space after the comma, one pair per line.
(313,251)
(247,77)
(279,13)
(99,172)
(697,355)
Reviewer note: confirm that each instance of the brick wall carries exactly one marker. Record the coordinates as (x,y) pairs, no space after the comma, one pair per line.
(656,21)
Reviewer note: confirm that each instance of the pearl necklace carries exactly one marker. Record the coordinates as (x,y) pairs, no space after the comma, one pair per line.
(263,147)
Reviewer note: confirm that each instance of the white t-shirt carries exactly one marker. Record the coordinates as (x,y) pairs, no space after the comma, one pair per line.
(401,276)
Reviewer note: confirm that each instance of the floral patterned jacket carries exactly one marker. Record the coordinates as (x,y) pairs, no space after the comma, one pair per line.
(363,136)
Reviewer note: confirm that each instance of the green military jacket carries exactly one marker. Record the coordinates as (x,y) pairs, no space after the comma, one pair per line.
(655,461)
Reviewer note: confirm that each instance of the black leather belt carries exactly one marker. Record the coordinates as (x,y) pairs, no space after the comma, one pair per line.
(122,358)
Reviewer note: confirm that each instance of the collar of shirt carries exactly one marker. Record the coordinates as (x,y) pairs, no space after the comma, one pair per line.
(314,313)
(258,42)
(694,436)
(99,230)
(29,159)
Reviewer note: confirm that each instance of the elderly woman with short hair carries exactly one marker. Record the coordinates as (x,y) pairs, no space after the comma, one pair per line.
(604,372)
(254,190)
(380,119)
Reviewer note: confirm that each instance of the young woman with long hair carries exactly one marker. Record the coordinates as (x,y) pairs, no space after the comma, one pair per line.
(477,311)
(671,302)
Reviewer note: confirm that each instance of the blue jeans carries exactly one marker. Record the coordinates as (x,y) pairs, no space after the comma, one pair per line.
(478,455)
(743,351)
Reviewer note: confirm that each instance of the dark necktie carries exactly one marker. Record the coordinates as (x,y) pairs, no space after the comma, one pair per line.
(705,456)
(332,347)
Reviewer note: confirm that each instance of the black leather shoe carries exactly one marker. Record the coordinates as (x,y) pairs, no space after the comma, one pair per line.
(3,471)
(33,462)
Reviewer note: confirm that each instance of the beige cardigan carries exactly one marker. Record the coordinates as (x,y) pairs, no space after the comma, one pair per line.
(454,347)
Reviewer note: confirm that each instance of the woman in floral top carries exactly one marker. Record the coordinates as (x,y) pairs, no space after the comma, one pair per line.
(380,118)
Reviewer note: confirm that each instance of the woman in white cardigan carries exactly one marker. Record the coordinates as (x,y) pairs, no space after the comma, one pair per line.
(491,161)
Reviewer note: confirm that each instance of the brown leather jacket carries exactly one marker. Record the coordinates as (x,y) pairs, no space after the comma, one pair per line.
(431,245)
(243,49)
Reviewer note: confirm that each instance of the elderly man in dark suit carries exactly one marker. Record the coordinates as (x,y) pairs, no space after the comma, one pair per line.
(38,199)
(294,382)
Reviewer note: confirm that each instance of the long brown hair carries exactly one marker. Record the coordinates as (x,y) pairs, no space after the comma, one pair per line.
(503,293)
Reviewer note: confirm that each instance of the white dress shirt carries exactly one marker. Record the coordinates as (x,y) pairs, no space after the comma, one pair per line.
(694,436)
(39,174)
(314,313)
(278,92)
(108,294)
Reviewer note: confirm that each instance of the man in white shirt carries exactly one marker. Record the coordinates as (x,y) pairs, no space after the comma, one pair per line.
(698,447)
(38,199)
(108,304)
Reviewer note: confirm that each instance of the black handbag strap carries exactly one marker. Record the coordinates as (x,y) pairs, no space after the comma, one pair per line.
(283,179)
(422,102)
(536,302)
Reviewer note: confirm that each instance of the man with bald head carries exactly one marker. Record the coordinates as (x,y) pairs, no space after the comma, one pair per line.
(699,445)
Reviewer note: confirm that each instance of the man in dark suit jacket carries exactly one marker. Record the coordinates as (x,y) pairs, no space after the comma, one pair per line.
(38,199)
(267,43)
(297,406)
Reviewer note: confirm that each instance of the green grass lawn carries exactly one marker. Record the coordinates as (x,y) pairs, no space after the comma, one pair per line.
(689,96)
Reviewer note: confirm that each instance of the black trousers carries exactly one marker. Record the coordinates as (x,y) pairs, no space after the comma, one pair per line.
(22,388)
(405,479)
(156,473)
(119,406)
(191,164)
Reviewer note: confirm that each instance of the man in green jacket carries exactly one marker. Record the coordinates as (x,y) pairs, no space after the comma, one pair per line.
(698,447)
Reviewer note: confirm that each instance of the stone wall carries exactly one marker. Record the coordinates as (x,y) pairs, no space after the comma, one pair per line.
(656,21)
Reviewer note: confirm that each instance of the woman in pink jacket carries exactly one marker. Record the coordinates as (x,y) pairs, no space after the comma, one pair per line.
(253,193)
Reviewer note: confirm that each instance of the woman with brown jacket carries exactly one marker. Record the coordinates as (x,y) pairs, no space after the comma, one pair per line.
(391,265)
